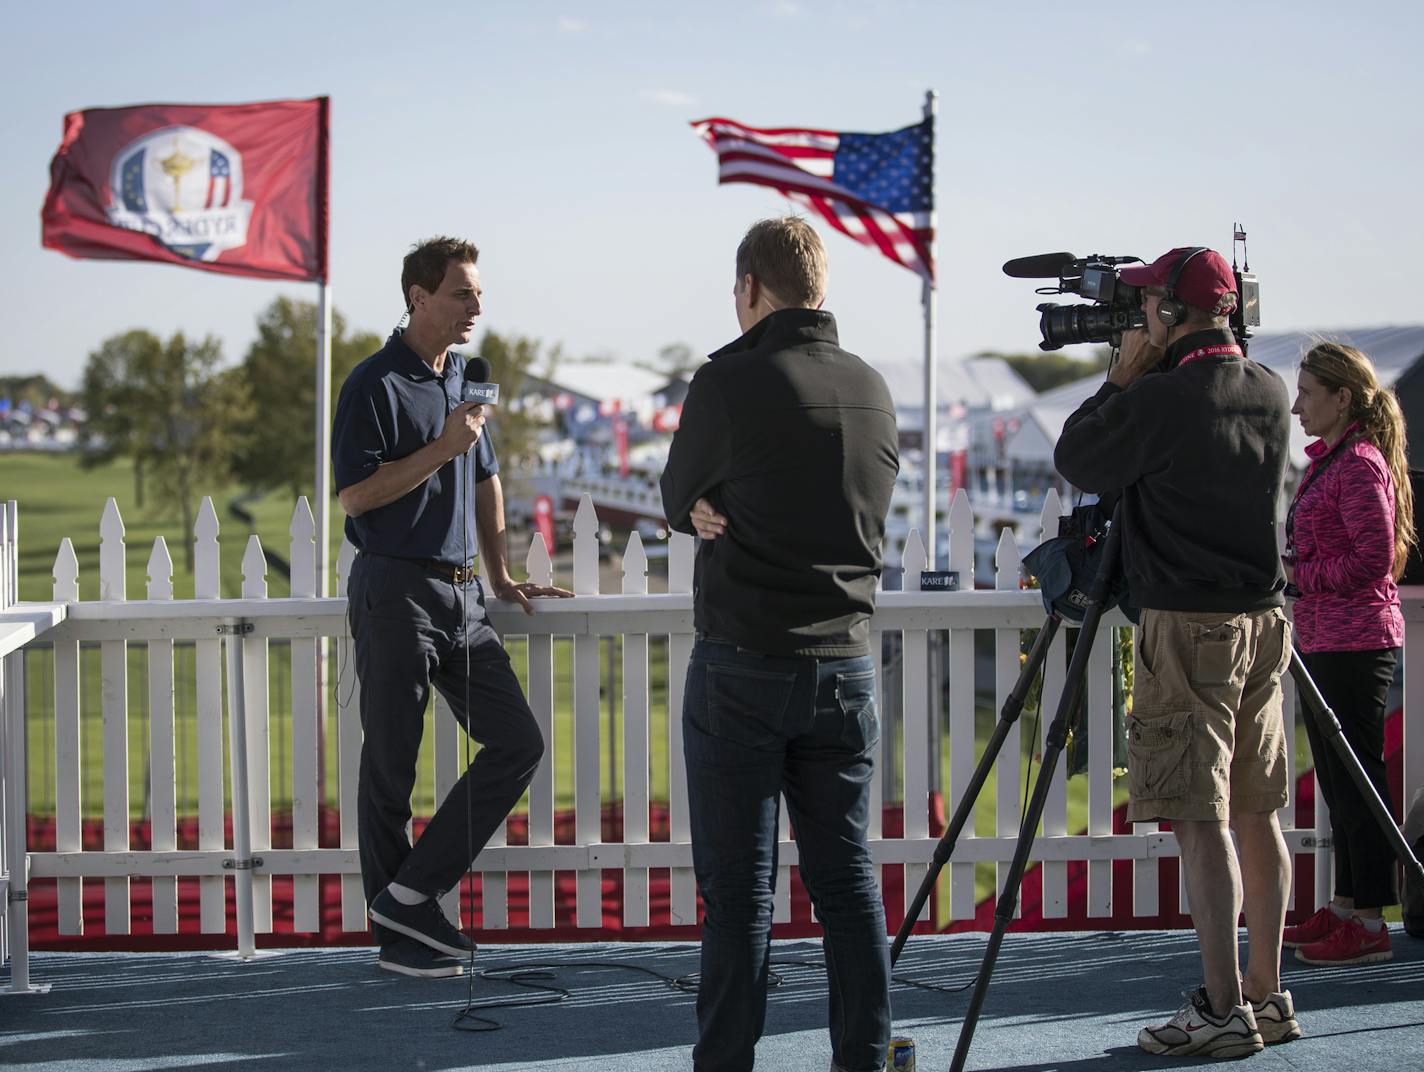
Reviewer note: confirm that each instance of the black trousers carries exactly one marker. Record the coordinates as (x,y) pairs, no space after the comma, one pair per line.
(411,631)
(1356,685)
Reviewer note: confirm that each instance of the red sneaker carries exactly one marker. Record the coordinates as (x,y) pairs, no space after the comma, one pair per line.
(1352,943)
(1315,929)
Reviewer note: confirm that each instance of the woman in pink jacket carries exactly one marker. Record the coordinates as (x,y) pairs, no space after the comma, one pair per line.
(1348,534)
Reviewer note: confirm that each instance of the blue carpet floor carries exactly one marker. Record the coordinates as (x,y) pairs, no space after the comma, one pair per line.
(1058,1002)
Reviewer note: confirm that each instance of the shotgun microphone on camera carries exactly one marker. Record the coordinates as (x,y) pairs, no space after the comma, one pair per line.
(1042,266)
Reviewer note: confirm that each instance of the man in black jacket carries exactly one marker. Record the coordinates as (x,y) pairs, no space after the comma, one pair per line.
(783,464)
(1199,452)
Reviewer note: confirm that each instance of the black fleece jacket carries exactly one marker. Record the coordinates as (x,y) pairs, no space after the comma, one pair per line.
(793,440)
(1199,454)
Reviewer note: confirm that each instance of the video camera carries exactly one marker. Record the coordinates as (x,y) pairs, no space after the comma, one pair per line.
(1117,305)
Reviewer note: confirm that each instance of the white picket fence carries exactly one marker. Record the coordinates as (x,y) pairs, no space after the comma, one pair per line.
(242,628)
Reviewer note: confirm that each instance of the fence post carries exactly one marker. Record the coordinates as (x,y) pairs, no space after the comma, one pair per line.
(916,711)
(12,744)
(588,802)
(242,862)
(682,893)
(14,777)
(541,701)
(114,668)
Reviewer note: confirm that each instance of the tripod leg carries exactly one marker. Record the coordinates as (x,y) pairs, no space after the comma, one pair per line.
(1013,707)
(1329,726)
(1057,737)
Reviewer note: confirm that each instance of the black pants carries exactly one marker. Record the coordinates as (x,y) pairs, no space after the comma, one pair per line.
(1356,685)
(411,631)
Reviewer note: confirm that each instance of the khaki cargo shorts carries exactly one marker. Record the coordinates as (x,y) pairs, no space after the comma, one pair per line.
(1206,735)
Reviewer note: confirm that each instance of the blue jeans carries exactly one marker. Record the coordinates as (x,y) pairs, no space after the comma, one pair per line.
(755,727)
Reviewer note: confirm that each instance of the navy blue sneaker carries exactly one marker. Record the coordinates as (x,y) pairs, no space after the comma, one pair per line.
(424,922)
(406,956)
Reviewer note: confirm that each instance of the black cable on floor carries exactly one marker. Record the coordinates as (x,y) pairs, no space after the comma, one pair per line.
(540,976)
(902,980)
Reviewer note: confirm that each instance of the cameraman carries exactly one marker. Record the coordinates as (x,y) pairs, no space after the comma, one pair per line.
(1198,453)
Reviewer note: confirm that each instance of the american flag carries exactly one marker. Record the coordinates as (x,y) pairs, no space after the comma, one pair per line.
(219,178)
(876,188)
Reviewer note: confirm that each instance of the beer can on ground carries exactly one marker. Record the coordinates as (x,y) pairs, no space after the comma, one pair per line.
(901,1057)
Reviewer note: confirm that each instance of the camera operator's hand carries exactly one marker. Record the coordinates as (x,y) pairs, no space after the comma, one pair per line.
(1138,354)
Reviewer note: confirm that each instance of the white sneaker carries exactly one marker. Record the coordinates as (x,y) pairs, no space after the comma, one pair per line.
(1275,1018)
(1196,1032)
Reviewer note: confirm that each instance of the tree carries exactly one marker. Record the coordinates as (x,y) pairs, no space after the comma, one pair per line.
(512,359)
(114,414)
(169,408)
(280,375)
(37,389)
(1044,371)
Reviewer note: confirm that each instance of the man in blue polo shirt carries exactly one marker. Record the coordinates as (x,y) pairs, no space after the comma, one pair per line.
(418,478)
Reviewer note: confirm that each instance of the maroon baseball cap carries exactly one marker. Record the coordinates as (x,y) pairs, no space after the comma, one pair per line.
(1206,282)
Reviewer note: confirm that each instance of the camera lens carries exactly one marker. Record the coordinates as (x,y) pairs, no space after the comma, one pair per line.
(1064,325)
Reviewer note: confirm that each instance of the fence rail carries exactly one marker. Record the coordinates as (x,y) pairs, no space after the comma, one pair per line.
(236,633)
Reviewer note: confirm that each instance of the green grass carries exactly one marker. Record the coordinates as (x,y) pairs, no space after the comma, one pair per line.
(57,499)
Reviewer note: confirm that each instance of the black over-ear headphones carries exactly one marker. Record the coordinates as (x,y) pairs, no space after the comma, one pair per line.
(1171,310)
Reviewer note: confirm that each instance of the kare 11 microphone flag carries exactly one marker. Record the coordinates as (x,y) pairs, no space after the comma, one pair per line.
(235,188)
(876,188)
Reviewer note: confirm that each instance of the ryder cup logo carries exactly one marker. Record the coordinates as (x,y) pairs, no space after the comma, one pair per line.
(183,186)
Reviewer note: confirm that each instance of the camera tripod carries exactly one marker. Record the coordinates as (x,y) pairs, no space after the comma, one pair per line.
(1054,743)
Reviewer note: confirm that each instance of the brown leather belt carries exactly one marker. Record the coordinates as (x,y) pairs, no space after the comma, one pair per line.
(459,574)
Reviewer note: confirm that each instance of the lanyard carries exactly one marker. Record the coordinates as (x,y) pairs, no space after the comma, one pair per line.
(1315,470)
(1229,349)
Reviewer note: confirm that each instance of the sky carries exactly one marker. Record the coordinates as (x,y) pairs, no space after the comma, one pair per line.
(555,136)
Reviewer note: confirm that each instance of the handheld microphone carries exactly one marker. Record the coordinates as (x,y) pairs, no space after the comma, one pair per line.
(476,386)
(1043,266)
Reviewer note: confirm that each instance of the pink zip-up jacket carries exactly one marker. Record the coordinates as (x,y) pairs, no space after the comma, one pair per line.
(1344,550)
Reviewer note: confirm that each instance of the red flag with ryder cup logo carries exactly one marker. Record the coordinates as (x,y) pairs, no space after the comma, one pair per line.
(233,188)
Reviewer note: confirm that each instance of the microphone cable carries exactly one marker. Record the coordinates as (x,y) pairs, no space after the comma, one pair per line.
(468,482)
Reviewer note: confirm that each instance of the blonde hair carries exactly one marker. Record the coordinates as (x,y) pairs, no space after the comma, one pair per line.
(787,258)
(1376,410)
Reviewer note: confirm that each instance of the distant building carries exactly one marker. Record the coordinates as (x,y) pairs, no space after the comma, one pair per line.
(583,400)
(970,390)
(1395,351)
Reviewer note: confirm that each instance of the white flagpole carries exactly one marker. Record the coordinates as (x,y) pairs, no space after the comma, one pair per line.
(322,497)
(931,392)
(323,432)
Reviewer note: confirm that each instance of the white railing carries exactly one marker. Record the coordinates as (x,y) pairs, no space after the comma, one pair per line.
(9,591)
(247,624)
